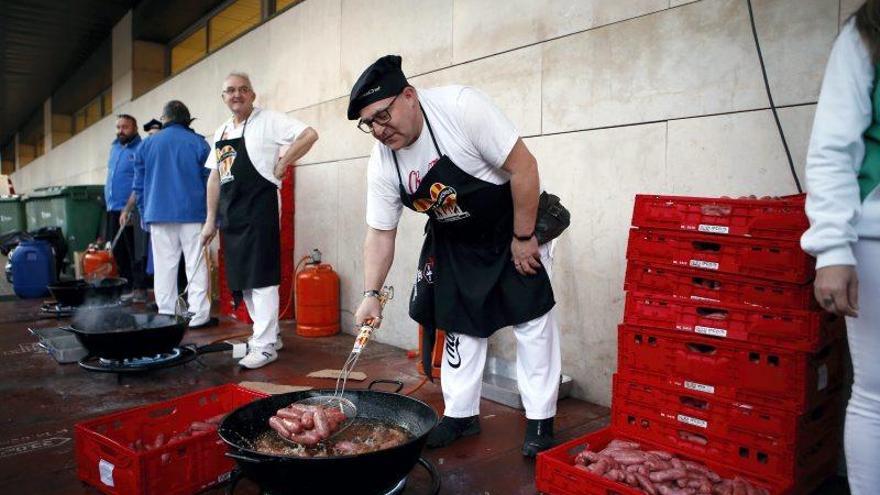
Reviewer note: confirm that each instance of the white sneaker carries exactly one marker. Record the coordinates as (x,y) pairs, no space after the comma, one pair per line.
(278,345)
(257,358)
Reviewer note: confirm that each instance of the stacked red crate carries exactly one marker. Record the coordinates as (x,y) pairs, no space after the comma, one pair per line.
(722,352)
(723,356)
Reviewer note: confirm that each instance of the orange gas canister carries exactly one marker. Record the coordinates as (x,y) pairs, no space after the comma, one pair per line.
(98,263)
(317,299)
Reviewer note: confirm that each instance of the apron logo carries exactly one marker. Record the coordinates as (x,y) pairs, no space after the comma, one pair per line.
(453,357)
(443,202)
(225,156)
(426,273)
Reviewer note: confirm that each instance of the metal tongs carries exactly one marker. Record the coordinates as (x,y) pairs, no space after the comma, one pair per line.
(337,400)
(181,308)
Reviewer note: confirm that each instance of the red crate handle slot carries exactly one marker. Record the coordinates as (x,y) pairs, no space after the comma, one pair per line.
(699,348)
(690,401)
(706,246)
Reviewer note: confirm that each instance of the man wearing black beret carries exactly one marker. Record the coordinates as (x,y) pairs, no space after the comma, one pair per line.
(450,153)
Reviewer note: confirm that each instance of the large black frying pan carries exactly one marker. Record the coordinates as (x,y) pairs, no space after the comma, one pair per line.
(363,474)
(78,292)
(117,334)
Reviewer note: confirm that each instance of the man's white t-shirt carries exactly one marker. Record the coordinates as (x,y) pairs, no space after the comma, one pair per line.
(469,129)
(267,131)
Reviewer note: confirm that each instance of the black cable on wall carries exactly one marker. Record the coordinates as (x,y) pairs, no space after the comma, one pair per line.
(797,182)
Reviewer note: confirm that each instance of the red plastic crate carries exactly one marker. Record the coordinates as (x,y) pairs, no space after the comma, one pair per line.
(770,259)
(806,464)
(717,415)
(555,473)
(782,218)
(701,285)
(786,379)
(105,461)
(789,328)
(764,426)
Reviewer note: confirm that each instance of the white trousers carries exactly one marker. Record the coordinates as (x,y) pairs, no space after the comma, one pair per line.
(169,241)
(862,431)
(262,304)
(538,365)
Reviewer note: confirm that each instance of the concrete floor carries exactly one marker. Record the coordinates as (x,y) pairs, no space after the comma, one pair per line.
(42,399)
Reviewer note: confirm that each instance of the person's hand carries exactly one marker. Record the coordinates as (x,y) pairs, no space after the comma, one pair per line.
(526,256)
(837,289)
(124,217)
(280,170)
(369,312)
(208,232)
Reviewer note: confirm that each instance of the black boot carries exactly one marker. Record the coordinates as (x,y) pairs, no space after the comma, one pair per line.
(539,436)
(451,429)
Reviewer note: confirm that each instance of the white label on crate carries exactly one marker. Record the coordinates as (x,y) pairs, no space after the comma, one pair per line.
(699,387)
(714,229)
(106,470)
(706,265)
(692,421)
(822,379)
(45,215)
(715,332)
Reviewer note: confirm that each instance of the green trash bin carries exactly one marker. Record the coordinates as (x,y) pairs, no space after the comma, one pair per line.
(78,210)
(11,214)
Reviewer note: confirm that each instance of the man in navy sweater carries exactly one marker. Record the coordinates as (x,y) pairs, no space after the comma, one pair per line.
(170,182)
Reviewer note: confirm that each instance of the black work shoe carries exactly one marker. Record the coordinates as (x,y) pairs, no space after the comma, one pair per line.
(539,436)
(451,429)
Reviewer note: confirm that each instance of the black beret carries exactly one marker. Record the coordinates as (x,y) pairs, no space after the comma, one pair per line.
(151,124)
(381,80)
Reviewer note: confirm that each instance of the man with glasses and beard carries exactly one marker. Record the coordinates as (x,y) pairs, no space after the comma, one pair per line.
(117,190)
(243,198)
(450,153)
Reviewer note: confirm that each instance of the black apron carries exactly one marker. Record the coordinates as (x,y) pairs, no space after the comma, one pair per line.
(248,219)
(466,282)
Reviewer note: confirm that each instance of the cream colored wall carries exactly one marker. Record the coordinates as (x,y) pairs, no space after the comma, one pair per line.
(613,97)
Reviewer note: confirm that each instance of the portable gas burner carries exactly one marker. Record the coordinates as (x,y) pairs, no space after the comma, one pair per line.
(58,310)
(399,489)
(175,357)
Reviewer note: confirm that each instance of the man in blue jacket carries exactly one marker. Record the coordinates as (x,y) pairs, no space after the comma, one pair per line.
(120,176)
(170,182)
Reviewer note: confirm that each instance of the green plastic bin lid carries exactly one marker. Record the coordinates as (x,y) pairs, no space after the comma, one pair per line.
(53,191)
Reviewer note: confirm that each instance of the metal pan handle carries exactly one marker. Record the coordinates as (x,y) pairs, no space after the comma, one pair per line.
(244,458)
(390,382)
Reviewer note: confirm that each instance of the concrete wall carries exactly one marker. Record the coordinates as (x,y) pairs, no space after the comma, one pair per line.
(613,97)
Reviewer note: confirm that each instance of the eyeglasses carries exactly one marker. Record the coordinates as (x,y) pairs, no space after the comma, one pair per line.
(381,116)
(231,91)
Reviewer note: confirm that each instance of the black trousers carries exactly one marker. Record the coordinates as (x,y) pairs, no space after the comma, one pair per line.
(130,252)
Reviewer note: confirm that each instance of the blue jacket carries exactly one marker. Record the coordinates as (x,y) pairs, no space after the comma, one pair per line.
(120,173)
(170,177)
